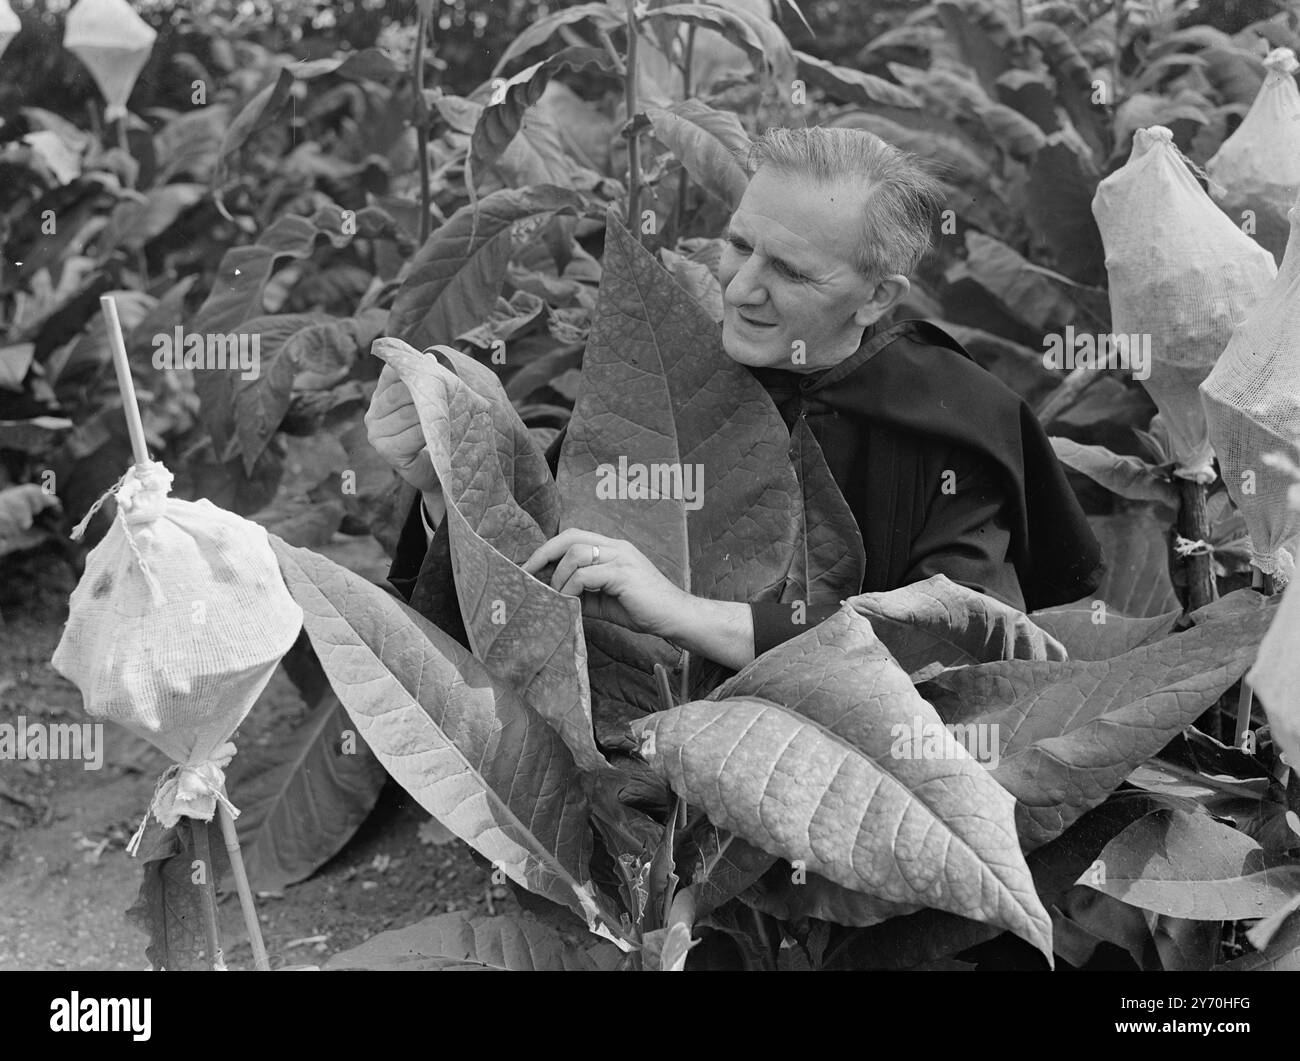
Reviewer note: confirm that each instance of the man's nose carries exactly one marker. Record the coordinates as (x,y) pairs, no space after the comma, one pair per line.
(745,288)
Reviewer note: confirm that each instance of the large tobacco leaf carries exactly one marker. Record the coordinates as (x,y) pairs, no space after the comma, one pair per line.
(527,477)
(1071,732)
(798,755)
(458,941)
(937,623)
(526,634)
(456,276)
(464,745)
(657,389)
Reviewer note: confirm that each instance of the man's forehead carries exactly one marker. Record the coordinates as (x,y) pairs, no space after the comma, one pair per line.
(795,214)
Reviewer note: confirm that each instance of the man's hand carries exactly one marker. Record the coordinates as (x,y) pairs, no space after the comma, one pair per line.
(617,583)
(620,585)
(393,427)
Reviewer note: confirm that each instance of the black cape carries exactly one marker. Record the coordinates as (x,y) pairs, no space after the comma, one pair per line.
(906,409)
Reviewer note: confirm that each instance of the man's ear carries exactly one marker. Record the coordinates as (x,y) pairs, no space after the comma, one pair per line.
(888,293)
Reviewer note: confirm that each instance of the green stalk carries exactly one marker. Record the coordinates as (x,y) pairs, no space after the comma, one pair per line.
(422,117)
(683,178)
(633,138)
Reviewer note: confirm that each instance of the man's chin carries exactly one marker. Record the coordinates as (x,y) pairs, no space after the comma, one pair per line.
(750,354)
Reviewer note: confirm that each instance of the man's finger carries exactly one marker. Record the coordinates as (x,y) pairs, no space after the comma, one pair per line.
(576,557)
(559,545)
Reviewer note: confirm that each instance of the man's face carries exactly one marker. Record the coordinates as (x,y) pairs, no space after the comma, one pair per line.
(792,297)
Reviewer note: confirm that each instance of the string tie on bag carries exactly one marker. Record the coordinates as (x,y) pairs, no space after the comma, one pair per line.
(1186,547)
(141,486)
(189,790)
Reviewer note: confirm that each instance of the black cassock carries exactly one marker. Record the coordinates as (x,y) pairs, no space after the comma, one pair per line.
(946,470)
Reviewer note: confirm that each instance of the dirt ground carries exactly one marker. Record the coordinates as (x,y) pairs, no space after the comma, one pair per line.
(66,879)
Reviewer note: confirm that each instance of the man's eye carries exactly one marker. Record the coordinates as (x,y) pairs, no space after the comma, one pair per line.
(739,244)
(792,273)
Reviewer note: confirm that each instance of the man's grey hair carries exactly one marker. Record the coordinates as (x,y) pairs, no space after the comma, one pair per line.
(902,202)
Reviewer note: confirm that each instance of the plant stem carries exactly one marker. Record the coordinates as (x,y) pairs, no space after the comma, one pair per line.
(208,897)
(633,137)
(1067,393)
(683,178)
(1246,697)
(422,120)
(1194,525)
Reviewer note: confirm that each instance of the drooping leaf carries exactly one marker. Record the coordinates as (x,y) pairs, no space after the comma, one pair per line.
(298,810)
(1089,632)
(659,393)
(500,121)
(1188,865)
(852,86)
(829,558)
(709,144)
(1071,731)
(760,38)
(464,745)
(168,907)
(526,474)
(463,942)
(540,31)
(456,276)
(526,633)
(807,753)
(936,623)
(1129,477)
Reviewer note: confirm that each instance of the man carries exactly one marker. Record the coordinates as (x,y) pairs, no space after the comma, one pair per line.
(945,469)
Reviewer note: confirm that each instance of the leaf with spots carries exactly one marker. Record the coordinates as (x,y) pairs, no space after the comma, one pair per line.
(658,392)
(800,754)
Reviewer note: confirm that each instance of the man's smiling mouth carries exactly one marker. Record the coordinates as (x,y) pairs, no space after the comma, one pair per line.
(754,323)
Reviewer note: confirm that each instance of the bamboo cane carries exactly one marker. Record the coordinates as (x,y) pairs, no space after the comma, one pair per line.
(125,384)
(260,961)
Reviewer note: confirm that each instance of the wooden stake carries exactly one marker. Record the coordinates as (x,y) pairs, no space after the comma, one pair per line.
(208,902)
(260,961)
(1194,525)
(134,425)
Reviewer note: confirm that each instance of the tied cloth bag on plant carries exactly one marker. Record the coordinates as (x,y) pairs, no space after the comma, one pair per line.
(174,630)
(1257,169)
(1252,401)
(1181,272)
